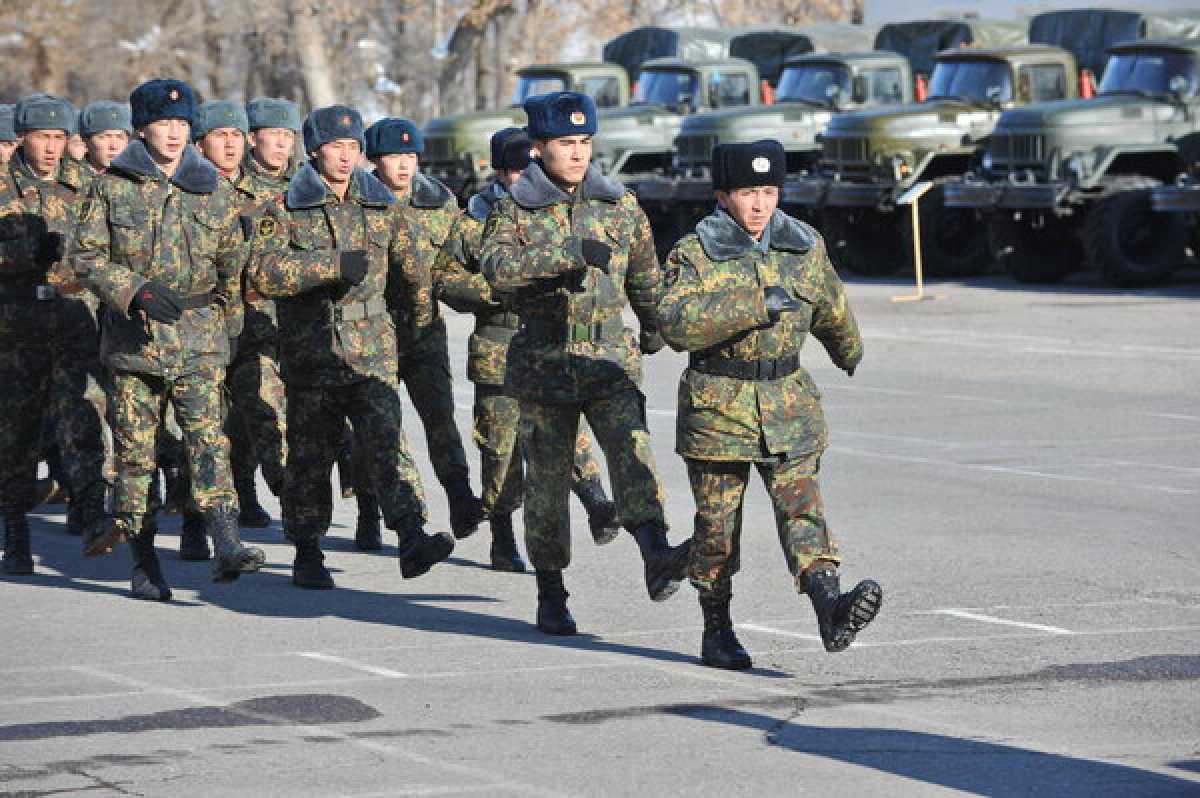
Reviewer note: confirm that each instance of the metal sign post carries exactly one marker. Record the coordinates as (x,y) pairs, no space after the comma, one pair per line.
(912,198)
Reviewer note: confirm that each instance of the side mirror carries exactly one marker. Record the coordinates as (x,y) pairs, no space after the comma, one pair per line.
(685,103)
(1181,89)
(994,95)
(833,93)
(861,89)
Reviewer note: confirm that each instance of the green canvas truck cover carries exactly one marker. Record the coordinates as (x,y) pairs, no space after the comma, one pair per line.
(921,40)
(1089,32)
(633,48)
(768,48)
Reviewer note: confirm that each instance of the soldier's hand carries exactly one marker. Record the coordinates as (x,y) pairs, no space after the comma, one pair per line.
(158,302)
(596,253)
(850,371)
(650,341)
(353,263)
(51,248)
(779,301)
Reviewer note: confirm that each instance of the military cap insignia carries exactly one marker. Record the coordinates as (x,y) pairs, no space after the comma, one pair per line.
(761,165)
(174,95)
(266,227)
(578,118)
(346,120)
(405,136)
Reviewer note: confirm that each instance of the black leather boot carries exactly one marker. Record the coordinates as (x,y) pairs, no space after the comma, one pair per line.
(74,519)
(466,510)
(147,581)
(18,561)
(250,513)
(193,537)
(666,567)
(232,558)
(720,647)
(841,616)
(308,569)
(87,515)
(602,513)
(553,617)
(420,551)
(504,554)
(367,536)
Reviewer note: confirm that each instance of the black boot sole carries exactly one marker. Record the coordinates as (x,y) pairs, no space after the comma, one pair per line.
(436,554)
(664,581)
(865,602)
(308,584)
(246,563)
(508,563)
(604,535)
(728,664)
(558,629)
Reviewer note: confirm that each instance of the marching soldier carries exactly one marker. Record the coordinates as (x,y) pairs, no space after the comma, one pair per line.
(743,291)
(159,241)
(569,248)
(458,282)
(105,127)
(394,147)
(324,252)
(8,135)
(48,332)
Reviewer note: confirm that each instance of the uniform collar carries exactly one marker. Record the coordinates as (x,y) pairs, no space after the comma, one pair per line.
(194,174)
(534,190)
(480,205)
(307,190)
(724,239)
(427,192)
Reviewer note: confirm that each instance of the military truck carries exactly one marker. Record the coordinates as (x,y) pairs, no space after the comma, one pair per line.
(1072,182)
(870,158)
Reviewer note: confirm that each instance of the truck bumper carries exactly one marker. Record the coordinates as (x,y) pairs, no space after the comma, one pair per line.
(856,195)
(1004,195)
(1176,199)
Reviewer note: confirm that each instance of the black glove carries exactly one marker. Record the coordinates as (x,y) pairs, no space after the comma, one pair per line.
(353,263)
(158,302)
(850,371)
(650,341)
(596,253)
(778,301)
(51,248)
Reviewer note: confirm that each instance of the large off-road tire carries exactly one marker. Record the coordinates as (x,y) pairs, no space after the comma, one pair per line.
(1127,242)
(863,241)
(954,241)
(1035,248)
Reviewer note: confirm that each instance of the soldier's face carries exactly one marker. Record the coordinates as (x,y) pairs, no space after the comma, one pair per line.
(43,150)
(751,207)
(225,147)
(76,147)
(566,159)
(336,160)
(397,170)
(7,148)
(104,146)
(273,146)
(166,139)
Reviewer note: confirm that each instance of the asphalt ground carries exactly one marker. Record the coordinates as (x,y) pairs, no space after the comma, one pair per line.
(1019,468)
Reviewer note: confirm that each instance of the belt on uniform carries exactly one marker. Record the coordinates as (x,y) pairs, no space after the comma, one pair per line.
(510,321)
(196,301)
(39,293)
(564,332)
(357,311)
(770,369)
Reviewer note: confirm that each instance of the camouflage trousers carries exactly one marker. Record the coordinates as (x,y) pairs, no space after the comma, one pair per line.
(548,439)
(425,372)
(317,419)
(256,425)
(502,468)
(50,365)
(719,488)
(140,403)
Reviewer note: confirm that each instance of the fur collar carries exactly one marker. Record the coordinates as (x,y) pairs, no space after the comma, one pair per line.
(307,190)
(194,174)
(480,205)
(535,190)
(428,192)
(69,172)
(724,239)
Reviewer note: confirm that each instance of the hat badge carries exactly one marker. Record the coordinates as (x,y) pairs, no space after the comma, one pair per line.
(404,137)
(346,120)
(174,95)
(578,118)
(761,165)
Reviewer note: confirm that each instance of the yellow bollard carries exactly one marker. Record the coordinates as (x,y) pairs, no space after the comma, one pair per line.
(912,198)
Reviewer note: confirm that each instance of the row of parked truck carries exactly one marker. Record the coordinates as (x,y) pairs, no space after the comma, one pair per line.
(1064,142)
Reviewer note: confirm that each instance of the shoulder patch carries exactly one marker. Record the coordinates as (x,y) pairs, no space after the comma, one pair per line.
(266,227)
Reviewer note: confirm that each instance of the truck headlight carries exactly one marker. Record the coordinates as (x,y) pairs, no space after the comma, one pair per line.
(987,161)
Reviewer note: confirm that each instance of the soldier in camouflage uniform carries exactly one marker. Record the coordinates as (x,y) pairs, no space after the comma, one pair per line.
(742,293)
(394,146)
(8,136)
(568,248)
(457,281)
(49,339)
(160,243)
(106,127)
(325,252)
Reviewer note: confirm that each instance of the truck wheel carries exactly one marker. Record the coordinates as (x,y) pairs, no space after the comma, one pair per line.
(1034,250)
(953,240)
(1130,244)
(862,240)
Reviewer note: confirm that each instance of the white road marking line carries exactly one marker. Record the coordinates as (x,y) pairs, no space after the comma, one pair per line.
(975,616)
(753,627)
(308,729)
(1174,416)
(349,663)
(423,789)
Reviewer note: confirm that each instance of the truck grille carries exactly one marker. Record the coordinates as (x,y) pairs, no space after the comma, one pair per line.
(1019,149)
(437,149)
(845,151)
(695,148)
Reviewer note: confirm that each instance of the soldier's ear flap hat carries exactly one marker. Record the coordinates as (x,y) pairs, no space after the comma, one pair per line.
(7,132)
(758,163)
(510,149)
(160,99)
(394,137)
(104,115)
(218,114)
(273,112)
(563,113)
(44,112)
(331,123)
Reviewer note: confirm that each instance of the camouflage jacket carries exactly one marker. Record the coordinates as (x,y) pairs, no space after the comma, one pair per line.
(573,344)
(138,225)
(432,212)
(255,186)
(32,212)
(296,260)
(458,282)
(714,306)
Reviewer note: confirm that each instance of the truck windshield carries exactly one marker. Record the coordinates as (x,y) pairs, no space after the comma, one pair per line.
(533,85)
(970,81)
(1146,73)
(670,88)
(811,83)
